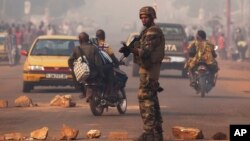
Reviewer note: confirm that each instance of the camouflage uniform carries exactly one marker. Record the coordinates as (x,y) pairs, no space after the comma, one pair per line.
(149,58)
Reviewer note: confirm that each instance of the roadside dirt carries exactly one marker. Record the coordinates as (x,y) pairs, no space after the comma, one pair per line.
(234,76)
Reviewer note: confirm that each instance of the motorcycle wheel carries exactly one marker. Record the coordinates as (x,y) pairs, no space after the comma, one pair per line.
(122,105)
(95,105)
(203,85)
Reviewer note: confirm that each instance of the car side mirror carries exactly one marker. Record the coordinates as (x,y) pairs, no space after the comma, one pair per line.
(24,53)
(216,47)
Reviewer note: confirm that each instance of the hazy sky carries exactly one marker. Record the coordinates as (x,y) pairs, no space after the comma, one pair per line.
(167,10)
(113,14)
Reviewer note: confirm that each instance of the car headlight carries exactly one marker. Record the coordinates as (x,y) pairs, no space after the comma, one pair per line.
(36,68)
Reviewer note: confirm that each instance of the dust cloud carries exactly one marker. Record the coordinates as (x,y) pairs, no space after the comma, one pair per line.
(120,17)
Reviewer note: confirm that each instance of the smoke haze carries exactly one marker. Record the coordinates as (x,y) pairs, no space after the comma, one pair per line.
(114,15)
(119,17)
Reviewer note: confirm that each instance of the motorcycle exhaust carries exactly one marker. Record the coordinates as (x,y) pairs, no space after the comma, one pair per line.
(107,103)
(103,102)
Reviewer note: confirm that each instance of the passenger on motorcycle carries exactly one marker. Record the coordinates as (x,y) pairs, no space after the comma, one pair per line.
(201,50)
(103,45)
(93,57)
(108,68)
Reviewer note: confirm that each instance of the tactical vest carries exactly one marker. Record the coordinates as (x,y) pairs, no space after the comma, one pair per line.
(152,44)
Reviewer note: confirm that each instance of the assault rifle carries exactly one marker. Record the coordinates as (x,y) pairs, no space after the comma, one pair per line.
(126,49)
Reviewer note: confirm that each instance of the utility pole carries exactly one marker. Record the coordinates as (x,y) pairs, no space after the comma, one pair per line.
(228,15)
(3,10)
(155,5)
(27,7)
(242,11)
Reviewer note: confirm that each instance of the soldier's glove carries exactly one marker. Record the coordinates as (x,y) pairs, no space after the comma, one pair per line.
(125,50)
(160,89)
(134,50)
(122,63)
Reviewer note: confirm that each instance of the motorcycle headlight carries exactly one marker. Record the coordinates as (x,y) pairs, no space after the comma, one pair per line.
(36,68)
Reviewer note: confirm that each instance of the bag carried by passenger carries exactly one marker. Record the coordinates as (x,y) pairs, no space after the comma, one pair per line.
(81,68)
(105,57)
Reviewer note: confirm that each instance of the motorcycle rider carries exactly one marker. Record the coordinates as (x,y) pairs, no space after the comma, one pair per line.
(201,50)
(149,55)
(94,59)
(241,44)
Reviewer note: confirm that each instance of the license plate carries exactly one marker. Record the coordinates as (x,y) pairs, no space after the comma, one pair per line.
(178,59)
(56,76)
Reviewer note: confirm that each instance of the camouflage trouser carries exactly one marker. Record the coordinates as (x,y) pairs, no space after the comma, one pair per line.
(149,106)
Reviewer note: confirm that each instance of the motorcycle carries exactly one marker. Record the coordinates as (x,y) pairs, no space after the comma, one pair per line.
(98,98)
(242,48)
(204,80)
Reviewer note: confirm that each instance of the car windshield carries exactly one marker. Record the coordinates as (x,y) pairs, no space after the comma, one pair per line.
(54,47)
(1,40)
(173,32)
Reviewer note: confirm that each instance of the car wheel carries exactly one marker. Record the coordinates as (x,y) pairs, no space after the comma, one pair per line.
(135,70)
(27,87)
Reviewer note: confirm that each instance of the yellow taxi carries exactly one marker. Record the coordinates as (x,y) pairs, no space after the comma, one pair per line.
(3,51)
(47,62)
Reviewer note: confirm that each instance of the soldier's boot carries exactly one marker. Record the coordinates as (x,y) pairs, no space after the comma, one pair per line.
(158,137)
(158,133)
(145,137)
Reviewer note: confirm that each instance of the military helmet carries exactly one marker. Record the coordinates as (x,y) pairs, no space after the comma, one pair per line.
(147,10)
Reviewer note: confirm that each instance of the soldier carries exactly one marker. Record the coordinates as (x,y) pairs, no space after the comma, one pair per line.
(149,55)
